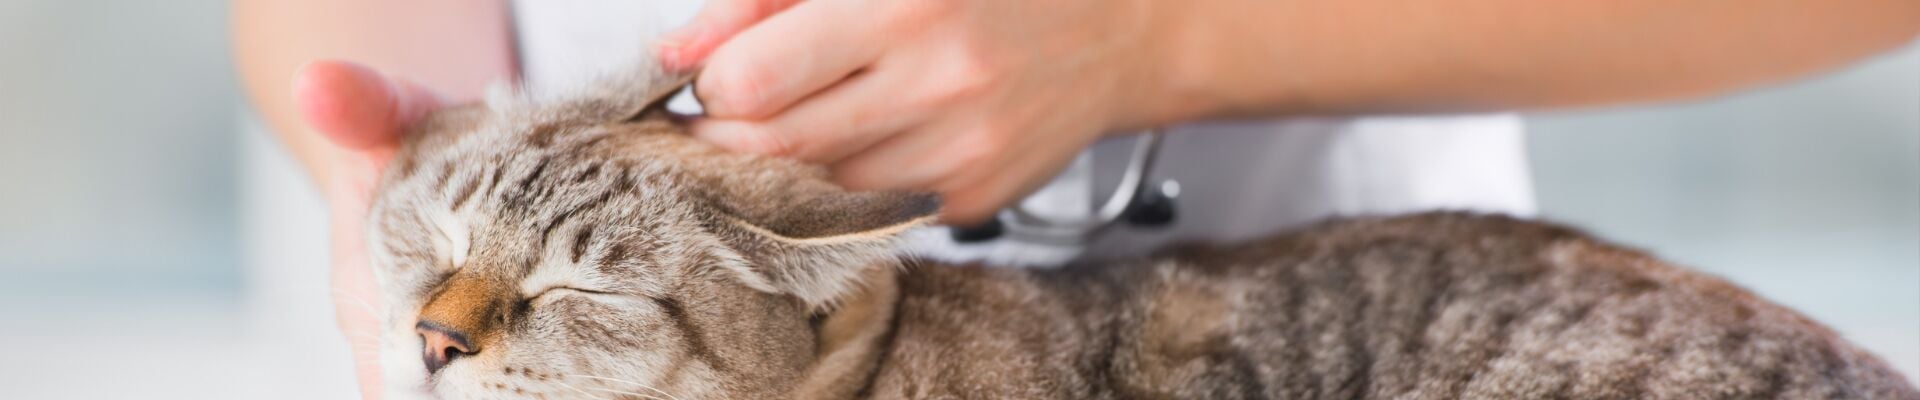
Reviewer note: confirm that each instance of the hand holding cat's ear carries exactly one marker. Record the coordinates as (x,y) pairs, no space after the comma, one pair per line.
(981,101)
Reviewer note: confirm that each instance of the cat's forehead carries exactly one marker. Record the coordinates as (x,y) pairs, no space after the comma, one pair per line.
(529,194)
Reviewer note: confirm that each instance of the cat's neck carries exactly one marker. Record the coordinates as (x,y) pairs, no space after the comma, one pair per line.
(946,328)
(853,338)
(960,328)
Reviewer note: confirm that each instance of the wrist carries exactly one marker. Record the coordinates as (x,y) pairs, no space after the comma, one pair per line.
(1235,59)
(1179,72)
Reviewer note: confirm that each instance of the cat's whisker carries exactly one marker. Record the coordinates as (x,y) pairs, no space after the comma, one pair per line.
(646,396)
(589,395)
(641,385)
(357,301)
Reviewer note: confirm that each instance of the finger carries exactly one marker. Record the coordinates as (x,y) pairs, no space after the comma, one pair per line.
(787,57)
(826,128)
(975,192)
(354,295)
(356,107)
(913,160)
(971,196)
(688,46)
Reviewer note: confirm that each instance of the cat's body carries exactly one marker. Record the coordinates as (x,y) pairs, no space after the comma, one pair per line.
(588,249)
(1433,306)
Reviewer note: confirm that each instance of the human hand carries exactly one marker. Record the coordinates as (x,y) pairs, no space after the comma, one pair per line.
(364,114)
(981,101)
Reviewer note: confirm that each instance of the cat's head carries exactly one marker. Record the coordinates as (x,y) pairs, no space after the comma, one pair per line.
(588,248)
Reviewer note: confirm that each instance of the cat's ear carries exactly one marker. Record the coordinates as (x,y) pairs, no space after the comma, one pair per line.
(639,93)
(814,240)
(649,98)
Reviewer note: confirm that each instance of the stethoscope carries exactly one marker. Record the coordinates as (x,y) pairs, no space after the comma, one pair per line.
(1134,203)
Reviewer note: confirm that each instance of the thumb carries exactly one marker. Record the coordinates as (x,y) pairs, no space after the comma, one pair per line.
(356,300)
(356,107)
(719,20)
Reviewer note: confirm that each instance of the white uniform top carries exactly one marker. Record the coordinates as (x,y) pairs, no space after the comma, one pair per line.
(1239,179)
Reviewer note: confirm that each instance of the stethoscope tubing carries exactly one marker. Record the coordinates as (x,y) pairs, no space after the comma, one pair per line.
(1024,225)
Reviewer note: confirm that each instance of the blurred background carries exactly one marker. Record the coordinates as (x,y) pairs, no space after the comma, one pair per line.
(128,249)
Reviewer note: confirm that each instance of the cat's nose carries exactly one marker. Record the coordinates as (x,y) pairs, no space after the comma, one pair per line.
(442,345)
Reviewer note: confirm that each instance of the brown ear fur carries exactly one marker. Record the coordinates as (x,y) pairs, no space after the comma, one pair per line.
(815,211)
(814,240)
(650,100)
(801,234)
(635,96)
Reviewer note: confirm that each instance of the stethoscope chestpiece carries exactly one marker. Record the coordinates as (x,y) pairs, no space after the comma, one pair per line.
(985,231)
(1134,203)
(1154,208)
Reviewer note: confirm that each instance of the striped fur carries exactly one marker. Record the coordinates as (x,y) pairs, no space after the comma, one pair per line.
(590,250)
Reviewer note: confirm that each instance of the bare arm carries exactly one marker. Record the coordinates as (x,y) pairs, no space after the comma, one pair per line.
(981,100)
(452,47)
(1299,57)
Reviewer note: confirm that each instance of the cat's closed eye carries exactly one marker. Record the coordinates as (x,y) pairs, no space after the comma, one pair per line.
(568,289)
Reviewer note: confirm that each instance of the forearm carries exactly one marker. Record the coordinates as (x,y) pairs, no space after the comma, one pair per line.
(1242,57)
(455,47)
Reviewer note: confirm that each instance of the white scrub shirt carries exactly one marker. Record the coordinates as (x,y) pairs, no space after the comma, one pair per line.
(1239,180)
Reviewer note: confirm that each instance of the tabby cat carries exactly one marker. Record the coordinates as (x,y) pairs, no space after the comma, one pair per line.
(586,248)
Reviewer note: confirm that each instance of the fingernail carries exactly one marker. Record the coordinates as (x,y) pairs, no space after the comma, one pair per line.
(673,58)
(669,56)
(671,47)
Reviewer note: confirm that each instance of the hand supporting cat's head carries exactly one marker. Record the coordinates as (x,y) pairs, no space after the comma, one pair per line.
(589,249)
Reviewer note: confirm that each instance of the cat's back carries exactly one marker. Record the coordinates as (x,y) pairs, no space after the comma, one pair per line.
(1452,305)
